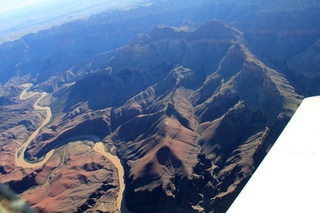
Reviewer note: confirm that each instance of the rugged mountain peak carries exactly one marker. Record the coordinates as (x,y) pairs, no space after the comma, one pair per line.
(214,29)
(171,112)
(163,32)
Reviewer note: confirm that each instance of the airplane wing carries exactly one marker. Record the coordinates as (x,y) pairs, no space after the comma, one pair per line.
(10,203)
(288,179)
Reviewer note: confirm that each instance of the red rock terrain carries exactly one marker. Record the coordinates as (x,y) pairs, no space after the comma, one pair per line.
(75,179)
(192,139)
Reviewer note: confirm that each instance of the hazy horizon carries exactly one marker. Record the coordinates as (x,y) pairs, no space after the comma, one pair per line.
(17,5)
(18,17)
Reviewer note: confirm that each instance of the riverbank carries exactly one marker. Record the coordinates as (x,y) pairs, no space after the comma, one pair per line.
(98,147)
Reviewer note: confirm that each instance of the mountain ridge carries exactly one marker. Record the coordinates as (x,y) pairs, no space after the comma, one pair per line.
(175,123)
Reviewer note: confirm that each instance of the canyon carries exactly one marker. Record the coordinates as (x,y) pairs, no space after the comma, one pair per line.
(190,96)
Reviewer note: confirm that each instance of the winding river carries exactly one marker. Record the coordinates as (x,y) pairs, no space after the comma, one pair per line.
(19,156)
(98,147)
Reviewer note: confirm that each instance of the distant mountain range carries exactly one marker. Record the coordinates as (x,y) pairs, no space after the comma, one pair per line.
(34,17)
(190,95)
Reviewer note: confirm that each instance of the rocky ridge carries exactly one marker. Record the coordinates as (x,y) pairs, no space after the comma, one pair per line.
(184,122)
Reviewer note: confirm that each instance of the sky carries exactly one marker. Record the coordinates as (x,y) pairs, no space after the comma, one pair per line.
(14,5)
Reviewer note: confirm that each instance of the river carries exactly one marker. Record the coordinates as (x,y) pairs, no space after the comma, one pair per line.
(98,147)
(19,156)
